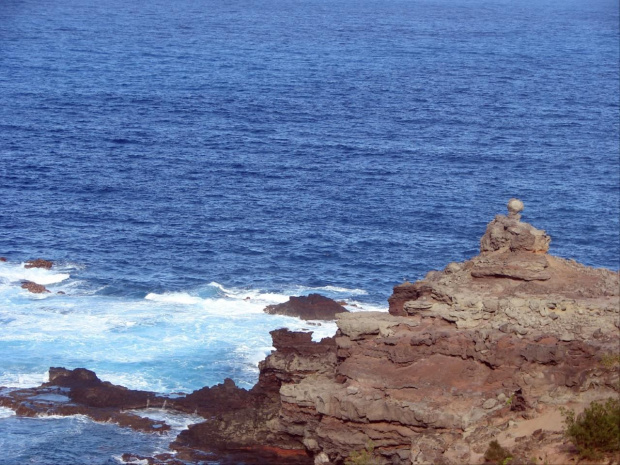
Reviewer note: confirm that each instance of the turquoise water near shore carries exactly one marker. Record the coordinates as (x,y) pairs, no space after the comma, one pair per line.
(175,159)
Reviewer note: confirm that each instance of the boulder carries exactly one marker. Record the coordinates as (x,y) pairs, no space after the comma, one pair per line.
(508,233)
(311,307)
(34,287)
(39,263)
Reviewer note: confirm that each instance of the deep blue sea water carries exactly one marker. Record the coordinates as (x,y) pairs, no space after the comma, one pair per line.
(175,158)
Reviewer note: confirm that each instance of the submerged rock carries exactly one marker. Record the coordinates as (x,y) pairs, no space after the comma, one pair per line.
(311,307)
(34,287)
(39,263)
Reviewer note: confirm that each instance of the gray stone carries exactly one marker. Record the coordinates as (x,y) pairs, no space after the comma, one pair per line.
(489,403)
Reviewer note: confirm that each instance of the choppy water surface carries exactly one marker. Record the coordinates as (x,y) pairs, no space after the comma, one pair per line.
(175,159)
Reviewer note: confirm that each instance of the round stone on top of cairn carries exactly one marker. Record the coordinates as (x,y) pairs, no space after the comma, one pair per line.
(515,207)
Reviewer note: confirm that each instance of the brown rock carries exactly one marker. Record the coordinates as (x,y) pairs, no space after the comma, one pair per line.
(514,265)
(81,392)
(2,259)
(34,287)
(39,263)
(210,401)
(509,233)
(463,357)
(87,389)
(312,307)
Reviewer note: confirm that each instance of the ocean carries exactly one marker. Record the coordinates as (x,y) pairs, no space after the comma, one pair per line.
(175,158)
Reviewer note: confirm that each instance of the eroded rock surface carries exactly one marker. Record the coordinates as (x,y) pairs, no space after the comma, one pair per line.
(311,307)
(80,391)
(486,349)
(502,339)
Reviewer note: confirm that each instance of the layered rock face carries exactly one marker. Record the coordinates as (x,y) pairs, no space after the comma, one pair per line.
(253,431)
(486,349)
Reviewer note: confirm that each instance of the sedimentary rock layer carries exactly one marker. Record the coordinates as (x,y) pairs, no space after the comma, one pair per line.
(483,350)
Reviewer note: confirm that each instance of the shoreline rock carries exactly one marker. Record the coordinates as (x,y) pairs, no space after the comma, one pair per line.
(34,287)
(39,263)
(311,307)
(81,392)
(488,349)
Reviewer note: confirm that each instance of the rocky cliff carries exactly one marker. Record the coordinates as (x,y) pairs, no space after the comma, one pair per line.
(483,350)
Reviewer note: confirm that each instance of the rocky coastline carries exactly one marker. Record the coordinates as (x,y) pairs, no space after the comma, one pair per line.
(488,349)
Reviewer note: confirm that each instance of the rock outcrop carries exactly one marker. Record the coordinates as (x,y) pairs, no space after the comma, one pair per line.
(508,233)
(34,287)
(81,392)
(251,431)
(484,350)
(487,349)
(39,263)
(311,307)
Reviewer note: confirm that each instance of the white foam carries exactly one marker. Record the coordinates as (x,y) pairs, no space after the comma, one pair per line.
(128,380)
(6,412)
(355,306)
(251,294)
(178,421)
(120,459)
(326,329)
(17,273)
(174,297)
(23,380)
(271,298)
(127,340)
(335,289)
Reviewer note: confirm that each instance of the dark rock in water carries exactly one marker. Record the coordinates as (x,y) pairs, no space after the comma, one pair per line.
(39,263)
(210,401)
(2,259)
(34,287)
(87,389)
(81,392)
(312,307)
